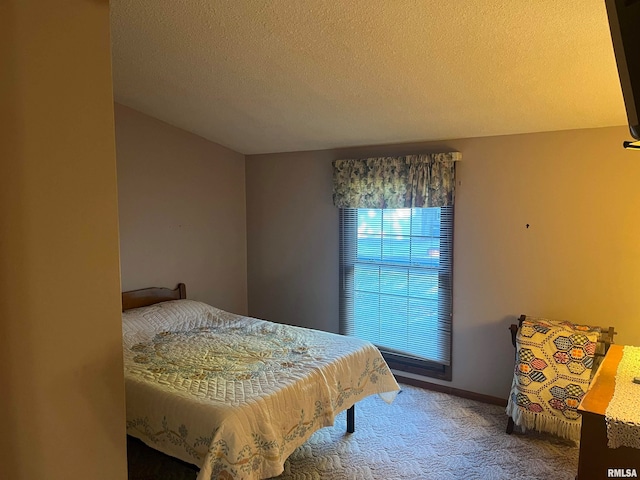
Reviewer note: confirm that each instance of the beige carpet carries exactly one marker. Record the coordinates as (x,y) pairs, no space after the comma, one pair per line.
(423,435)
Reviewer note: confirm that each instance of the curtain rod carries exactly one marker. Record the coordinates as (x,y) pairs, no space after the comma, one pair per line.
(631,145)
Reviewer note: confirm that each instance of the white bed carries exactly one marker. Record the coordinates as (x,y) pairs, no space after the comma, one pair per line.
(235,395)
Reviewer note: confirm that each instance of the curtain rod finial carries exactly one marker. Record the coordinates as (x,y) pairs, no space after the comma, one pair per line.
(631,145)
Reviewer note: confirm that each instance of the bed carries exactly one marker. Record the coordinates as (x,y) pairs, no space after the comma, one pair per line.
(235,395)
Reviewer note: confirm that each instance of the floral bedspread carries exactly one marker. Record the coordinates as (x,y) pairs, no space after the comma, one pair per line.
(236,395)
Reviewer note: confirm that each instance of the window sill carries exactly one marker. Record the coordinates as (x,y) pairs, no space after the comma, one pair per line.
(416,366)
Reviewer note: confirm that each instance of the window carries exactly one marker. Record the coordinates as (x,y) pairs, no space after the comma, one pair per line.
(396,284)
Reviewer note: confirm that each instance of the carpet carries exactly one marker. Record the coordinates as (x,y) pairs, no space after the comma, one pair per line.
(423,435)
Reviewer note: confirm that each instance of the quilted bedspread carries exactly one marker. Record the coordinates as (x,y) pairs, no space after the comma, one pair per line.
(236,395)
(552,373)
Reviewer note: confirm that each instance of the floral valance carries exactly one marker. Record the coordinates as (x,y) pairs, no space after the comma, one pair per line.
(426,180)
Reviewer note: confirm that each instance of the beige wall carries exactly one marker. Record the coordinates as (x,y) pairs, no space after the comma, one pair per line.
(182,211)
(578,260)
(61,385)
(292,231)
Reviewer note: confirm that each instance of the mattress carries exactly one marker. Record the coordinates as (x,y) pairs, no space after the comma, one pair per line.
(236,395)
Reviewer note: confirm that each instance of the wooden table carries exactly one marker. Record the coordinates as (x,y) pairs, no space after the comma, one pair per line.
(596,458)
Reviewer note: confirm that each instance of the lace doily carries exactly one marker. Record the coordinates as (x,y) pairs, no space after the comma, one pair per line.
(623,413)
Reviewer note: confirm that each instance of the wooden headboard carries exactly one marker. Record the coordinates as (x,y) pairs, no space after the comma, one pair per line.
(149,296)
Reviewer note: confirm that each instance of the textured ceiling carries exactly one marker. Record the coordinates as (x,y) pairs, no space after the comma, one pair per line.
(261,76)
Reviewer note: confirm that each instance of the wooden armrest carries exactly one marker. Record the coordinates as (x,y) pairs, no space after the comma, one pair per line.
(514,329)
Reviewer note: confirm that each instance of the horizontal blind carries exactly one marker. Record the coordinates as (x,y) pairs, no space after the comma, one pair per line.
(396,279)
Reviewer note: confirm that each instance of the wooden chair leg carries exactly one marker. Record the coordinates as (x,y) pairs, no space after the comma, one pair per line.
(510,426)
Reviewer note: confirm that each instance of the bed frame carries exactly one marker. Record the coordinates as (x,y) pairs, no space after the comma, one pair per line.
(150,296)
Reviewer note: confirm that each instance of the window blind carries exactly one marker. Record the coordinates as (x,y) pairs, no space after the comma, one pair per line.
(396,279)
